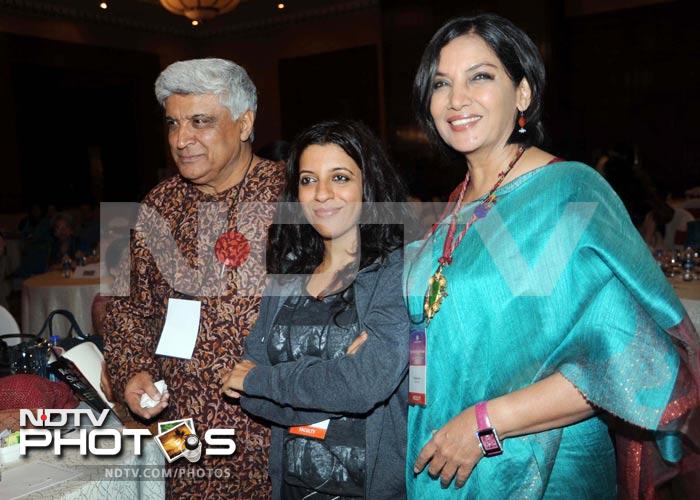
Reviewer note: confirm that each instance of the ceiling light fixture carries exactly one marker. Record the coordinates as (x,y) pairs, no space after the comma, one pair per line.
(280,6)
(103,5)
(199,10)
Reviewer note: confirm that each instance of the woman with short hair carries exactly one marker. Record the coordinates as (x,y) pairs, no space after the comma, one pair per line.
(544,315)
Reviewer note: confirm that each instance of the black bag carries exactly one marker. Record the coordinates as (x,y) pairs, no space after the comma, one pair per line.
(75,334)
(74,337)
(5,349)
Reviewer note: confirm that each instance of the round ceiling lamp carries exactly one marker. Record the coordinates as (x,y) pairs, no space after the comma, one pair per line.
(199,10)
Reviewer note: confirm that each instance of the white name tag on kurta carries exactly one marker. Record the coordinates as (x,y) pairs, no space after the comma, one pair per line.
(181,328)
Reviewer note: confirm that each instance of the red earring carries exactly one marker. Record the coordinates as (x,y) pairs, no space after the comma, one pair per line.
(522,121)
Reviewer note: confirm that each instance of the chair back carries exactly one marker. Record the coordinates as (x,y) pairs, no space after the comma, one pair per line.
(8,325)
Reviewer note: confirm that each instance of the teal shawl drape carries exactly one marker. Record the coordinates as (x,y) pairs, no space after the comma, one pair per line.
(556,278)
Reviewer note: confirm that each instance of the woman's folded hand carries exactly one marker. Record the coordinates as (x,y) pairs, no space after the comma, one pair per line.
(233,382)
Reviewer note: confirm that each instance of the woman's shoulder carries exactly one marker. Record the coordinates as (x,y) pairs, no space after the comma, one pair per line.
(575,180)
(572,185)
(382,268)
(392,267)
(392,260)
(395,257)
(571,170)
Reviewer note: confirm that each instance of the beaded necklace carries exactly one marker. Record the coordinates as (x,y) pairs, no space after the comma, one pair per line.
(437,284)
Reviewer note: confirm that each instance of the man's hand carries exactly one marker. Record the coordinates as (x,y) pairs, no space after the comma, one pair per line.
(233,382)
(138,385)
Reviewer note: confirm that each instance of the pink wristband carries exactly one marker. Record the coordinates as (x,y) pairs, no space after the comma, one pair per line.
(482,415)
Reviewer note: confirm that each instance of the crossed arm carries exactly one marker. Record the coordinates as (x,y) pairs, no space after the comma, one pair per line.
(298,392)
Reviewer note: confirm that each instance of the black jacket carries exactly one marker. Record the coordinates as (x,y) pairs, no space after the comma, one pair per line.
(373,382)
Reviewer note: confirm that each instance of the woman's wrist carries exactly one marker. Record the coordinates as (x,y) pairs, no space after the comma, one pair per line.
(500,416)
(546,404)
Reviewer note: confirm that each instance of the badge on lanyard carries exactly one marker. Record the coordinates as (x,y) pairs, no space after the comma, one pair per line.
(417,367)
(316,431)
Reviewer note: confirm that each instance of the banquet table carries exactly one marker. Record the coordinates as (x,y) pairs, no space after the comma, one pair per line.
(50,291)
(689,293)
(70,476)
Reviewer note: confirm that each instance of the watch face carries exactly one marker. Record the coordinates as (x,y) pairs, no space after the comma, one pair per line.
(489,442)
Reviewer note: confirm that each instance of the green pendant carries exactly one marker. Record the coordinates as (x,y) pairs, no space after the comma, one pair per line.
(437,291)
(434,291)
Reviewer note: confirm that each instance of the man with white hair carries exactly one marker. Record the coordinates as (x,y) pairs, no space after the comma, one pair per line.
(210,107)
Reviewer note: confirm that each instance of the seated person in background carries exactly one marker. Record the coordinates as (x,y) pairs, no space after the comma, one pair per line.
(89,228)
(666,224)
(677,228)
(36,226)
(35,229)
(631,183)
(64,242)
(653,228)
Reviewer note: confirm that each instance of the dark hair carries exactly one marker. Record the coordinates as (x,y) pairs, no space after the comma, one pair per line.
(514,49)
(298,248)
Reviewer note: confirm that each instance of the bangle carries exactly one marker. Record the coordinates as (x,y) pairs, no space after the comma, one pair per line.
(489,442)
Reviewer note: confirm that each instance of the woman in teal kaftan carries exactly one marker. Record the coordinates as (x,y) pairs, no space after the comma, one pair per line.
(550,280)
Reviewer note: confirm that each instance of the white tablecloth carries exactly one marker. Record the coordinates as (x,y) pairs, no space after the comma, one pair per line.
(92,483)
(48,292)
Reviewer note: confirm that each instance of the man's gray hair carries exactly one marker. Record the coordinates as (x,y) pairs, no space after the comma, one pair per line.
(219,77)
